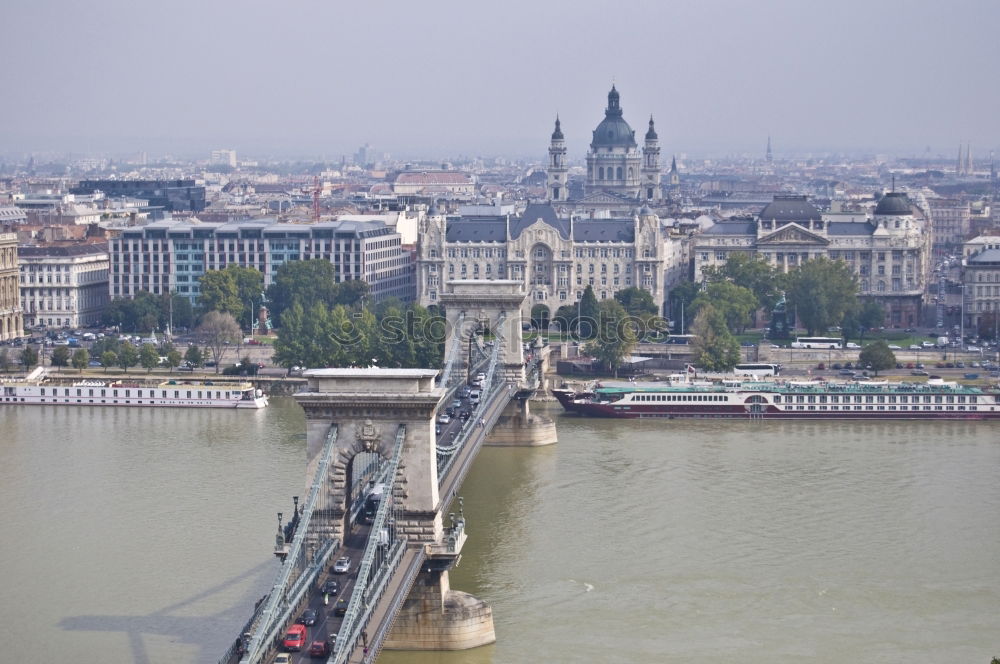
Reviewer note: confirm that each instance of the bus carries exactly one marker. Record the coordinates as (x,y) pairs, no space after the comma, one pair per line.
(757,370)
(824,343)
(372,503)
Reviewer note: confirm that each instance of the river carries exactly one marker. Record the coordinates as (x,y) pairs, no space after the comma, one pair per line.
(144,535)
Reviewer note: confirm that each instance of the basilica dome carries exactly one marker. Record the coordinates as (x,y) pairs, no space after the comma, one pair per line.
(613,130)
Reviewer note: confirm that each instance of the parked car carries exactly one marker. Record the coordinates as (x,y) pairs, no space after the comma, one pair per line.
(342,566)
(915,347)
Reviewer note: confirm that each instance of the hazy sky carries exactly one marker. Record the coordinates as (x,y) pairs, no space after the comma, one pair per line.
(437,78)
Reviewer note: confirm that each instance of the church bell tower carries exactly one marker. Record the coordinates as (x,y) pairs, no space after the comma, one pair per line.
(557,182)
(651,166)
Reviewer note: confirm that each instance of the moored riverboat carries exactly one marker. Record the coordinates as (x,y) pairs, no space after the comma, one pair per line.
(812,399)
(40,389)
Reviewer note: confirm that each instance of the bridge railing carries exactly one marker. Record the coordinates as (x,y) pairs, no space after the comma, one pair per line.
(286,591)
(368,586)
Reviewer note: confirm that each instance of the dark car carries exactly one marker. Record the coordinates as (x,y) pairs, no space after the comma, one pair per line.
(308,617)
(341,608)
(331,587)
(319,649)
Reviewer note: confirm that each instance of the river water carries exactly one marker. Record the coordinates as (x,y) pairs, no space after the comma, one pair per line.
(144,535)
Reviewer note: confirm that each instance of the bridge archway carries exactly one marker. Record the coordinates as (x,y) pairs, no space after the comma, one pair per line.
(494,303)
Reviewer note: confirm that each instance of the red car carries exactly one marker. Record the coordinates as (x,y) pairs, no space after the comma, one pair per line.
(319,649)
(295,638)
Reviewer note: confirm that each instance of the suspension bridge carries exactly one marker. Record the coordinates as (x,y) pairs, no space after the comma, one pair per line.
(385,464)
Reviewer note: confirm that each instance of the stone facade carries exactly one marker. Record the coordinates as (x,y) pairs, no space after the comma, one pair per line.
(11,319)
(981,279)
(554,258)
(890,251)
(64,285)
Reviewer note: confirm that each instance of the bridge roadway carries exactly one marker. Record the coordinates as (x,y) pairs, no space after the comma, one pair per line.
(385,610)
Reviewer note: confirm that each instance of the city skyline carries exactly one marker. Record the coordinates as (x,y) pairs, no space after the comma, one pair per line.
(903,78)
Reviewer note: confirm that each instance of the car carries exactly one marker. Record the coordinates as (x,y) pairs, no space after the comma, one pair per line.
(915,347)
(94,363)
(480,376)
(295,637)
(960,365)
(850,345)
(319,649)
(895,347)
(846,372)
(927,344)
(919,372)
(331,587)
(920,365)
(308,617)
(836,366)
(972,349)
(971,376)
(341,607)
(283,658)
(342,566)
(456,404)
(443,418)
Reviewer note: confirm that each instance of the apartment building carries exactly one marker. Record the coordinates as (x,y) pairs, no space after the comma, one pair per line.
(64,284)
(11,320)
(981,279)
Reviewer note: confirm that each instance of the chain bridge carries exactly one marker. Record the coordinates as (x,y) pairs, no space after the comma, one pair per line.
(385,463)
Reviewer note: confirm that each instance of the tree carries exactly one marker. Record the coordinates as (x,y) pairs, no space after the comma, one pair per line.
(565,317)
(586,326)
(750,271)
(821,291)
(862,316)
(108,359)
(615,336)
(735,303)
(81,358)
(128,356)
(194,356)
(305,282)
(5,361)
(540,317)
(637,301)
(60,356)
(29,356)
(149,357)
(216,331)
(219,293)
(173,358)
(878,356)
(681,297)
(351,292)
(714,348)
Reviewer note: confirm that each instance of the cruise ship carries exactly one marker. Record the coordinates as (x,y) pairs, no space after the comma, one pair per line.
(813,399)
(40,389)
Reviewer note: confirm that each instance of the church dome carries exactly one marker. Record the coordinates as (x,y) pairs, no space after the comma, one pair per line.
(651,134)
(613,130)
(557,135)
(894,203)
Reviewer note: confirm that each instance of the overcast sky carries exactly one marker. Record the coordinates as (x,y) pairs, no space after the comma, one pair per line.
(468,77)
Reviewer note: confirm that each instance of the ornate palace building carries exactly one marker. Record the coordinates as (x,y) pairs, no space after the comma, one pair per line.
(556,258)
(11,321)
(890,251)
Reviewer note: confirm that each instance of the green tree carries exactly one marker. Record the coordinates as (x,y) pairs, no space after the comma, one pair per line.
(217,331)
(750,271)
(735,303)
(219,293)
(821,291)
(565,318)
(615,336)
(427,330)
(149,357)
(587,324)
(681,297)
(29,357)
(714,347)
(182,315)
(81,358)
(108,359)
(60,356)
(637,301)
(305,282)
(173,358)
(540,317)
(128,356)
(351,292)
(871,314)
(194,355)
(878,356)
(289,347)
(5,362)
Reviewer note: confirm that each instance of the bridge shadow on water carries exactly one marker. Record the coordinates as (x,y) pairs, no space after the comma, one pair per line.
(211,633)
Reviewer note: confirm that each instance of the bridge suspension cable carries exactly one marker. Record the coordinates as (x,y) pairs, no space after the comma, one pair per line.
(452,352)
(288,589)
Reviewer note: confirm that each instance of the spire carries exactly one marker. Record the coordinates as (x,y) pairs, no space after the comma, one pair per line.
(767,155)
(673,164)
(651,134)
(968,159)
(958,164)
(613,107)
(557,135)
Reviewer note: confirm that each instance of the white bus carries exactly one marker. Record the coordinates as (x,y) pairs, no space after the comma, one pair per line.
(818,342)
(757,370)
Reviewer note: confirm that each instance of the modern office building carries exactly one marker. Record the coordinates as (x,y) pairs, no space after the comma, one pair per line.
(170,256)
(11,319)
(64,284)
(171,195)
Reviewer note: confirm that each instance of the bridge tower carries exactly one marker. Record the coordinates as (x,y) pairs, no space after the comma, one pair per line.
(368,406)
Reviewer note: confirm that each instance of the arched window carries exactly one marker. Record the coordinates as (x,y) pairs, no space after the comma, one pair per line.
(630,171)
(619,172)
(600,173)
(881,286)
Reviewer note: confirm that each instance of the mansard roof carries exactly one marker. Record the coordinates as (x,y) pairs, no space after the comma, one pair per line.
(787,208)
(732,228)
(476,230)
(850,228)
(533,213)
(604,230)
